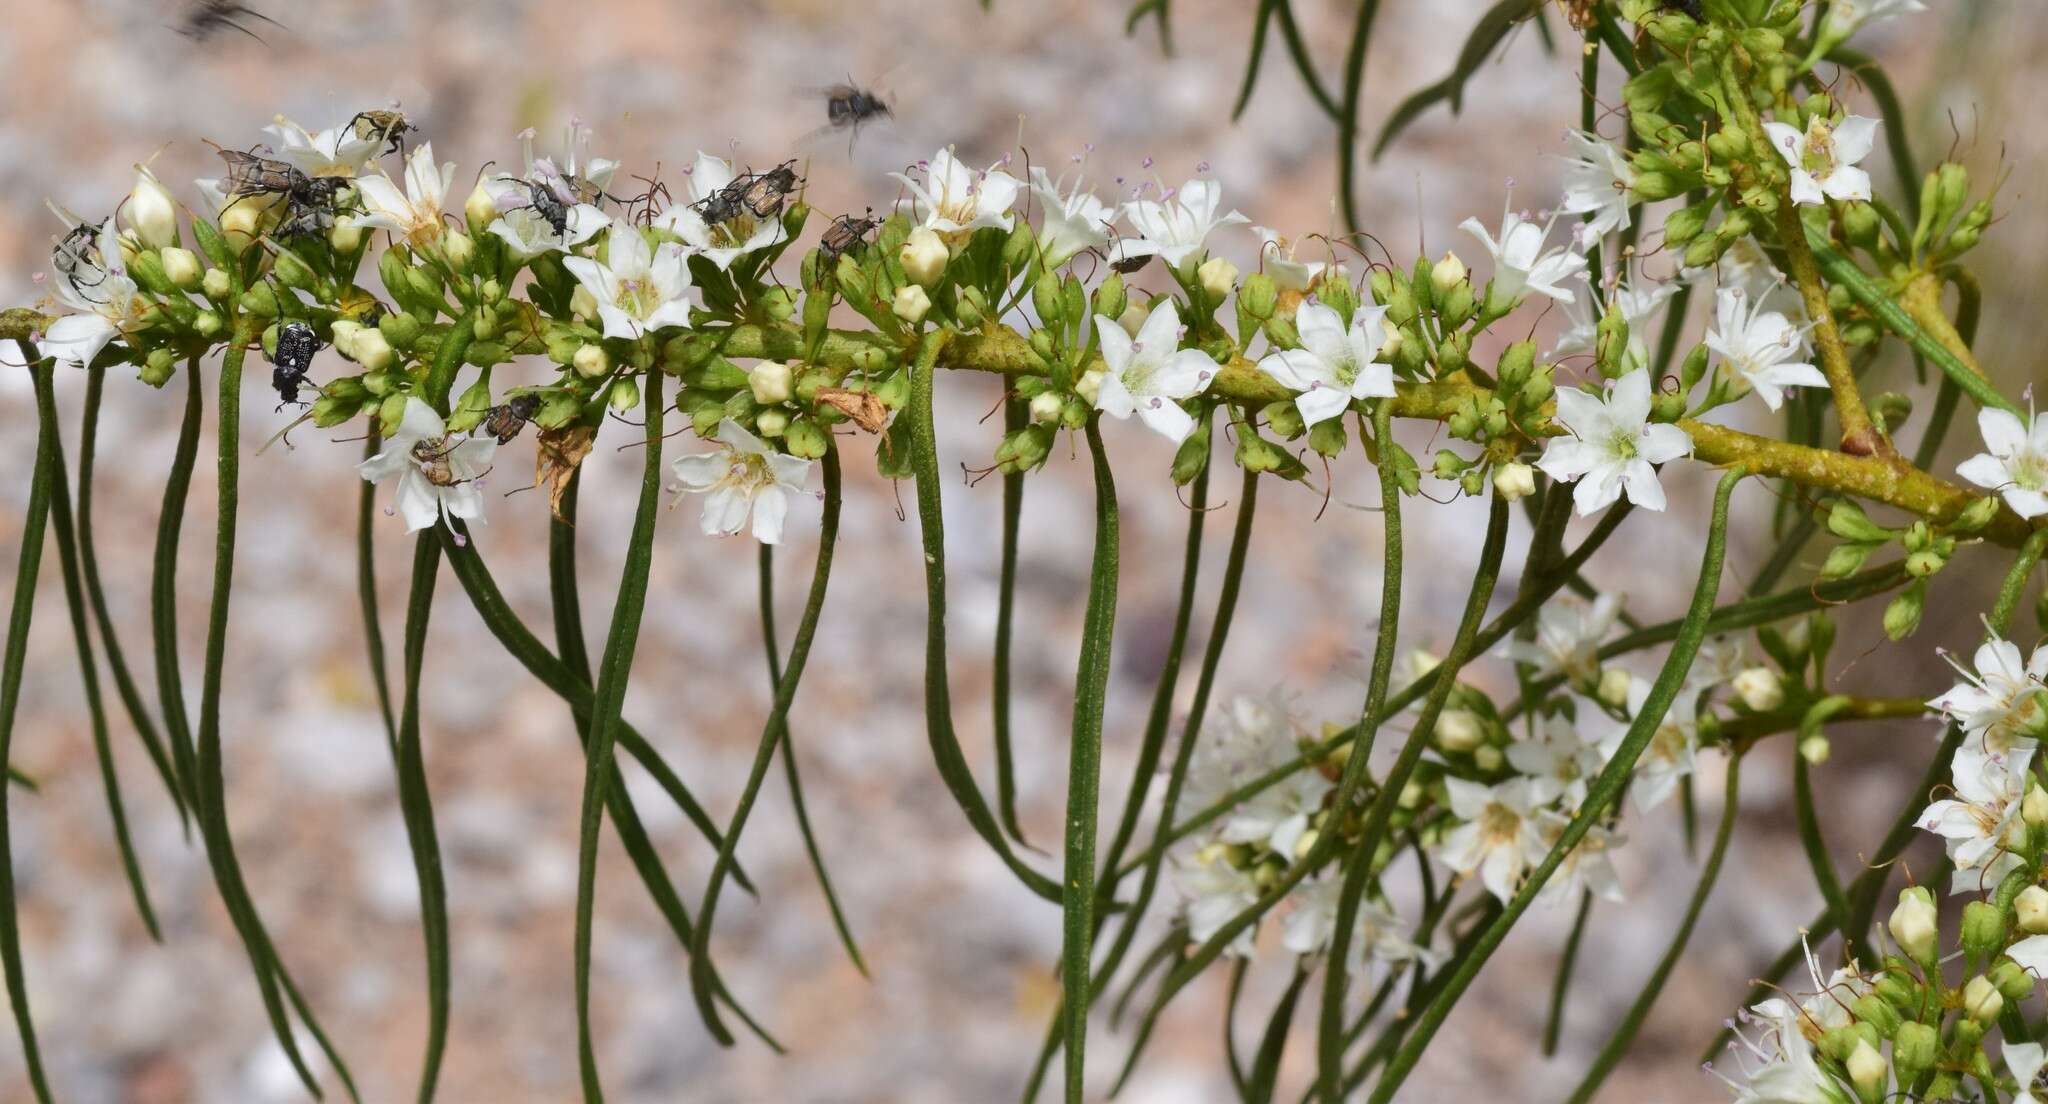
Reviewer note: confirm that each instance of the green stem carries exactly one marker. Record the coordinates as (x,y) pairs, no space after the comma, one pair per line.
(1347,118)
(1604,791)
(1553,1023)
(938,704)
(163,590)
(1919,321)
(1014,415)
(117,661)
(366,593)
(20,612)
(1625,1032)
(416,805)
(607,699)
(1084,769)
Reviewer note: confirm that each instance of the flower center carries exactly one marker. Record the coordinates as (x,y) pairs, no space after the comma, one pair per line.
(2029,469)
(1622,444)
(1499,823)
(1819,156)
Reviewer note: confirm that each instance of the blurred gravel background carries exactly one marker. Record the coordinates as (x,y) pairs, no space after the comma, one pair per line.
(961,957)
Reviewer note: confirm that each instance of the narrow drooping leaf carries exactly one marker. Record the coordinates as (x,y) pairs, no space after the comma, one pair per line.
(1006,612)
(163,588)
(366,594)
(416,807)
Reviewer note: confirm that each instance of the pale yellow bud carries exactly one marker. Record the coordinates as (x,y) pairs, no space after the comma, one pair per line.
(771,423)
(769,381)
(345,236)
(591,361)
(1046,406)
(344,333)
(1514,480)
(1913,924)
(2034,810)
(1867,1068)
(1133,319)
(459,248)
(1217,276)
(181,267)
(2031,907)
(1982,1000)
(924,256)
(479,210)
(1459,730)
(1614,686)
(1447,273)
(911,304)
(1089,386)
(372,351)
(582,304)
(1487,757)
(1760,689)
(1815,749)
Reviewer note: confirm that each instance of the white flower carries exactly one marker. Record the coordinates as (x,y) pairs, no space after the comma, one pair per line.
(151,212)
(1149,374)
(95,283)
(2024,1062)
(1568,637)
(729,239)
(529,235)
(437,471)
(2016,465)
(415,214)
(1214,891)
(1521,264)
(1254,736)
(1176,226)
(1671,753)
(1499,836)
(1761,347)
(516,220)
(1334,365)
(1558,759)
(1823,158)
(1587,868)
(1612,446)
(1072,222)
(336,151)
(2003,705)
(1785,1071)
(1637,305)
(638,288)
(743,477)
(1378,938)
(1845,16)
(2032,955)
(1276,256)
(1597,182)
(953,198)
(1982,821)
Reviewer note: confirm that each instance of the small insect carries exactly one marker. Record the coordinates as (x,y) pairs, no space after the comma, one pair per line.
(210,17)
(296,344)
(849,107)
(549,206)
(382,126)
(79,248)
(1131,264)
(764,193)
(309,201)
(433,457)
(505,420)
(847,234)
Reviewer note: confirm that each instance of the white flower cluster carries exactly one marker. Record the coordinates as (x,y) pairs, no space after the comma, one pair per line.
(2002,708)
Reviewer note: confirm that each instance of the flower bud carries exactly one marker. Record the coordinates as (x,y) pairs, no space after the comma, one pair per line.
(1447,273)
(401,329)
(1217,277)
(207,323)
(1514,480)
(582,304)
(2031,908)
(769,381)
(1110,296)
(1486,757)
(624,394)
(1259,296)
(1089,386)
(459,248)
(1878,1013)
(1760,689)
(158,367)
(1914,1050)
(181,268)
(479,210)
(372,351)
(1914,923)
(1867,1070)
(214,284)
(923,256)
(1459,730)
(1983,929)
(2034,808)
(345,236)
(342,334)
(1815,749)
(911,303)
(1045,406)
(1133,318)
(1982,1000)
(151,212)
(241,221)
(771,423)
(2013,981)
(804,438)
(592,361)
(1191,459)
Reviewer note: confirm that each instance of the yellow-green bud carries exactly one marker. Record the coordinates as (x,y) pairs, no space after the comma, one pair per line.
(1217,277)
(479,210)
(1983,929)
(158,367)
(1133,317)
(1259,296)
(215,285)
(1614,686)
(2031,908)
(1867,1070)
(400,328)
(770,382)
(459,248)
(624,394)
(805,439)
(1447,274)
(771,423)
(1192,456)
(2013,980)
(1110,296)
(372,351)
(911,303)
(260,301)
(291,271)
(345,236)
(1914,924)
(924,256)
(1815,749)
(181,268)
(1760,689)
(1877,1012)
(1045,406)
(592,361)
(1486,757)
(1459,730)
(582,304)
(207,323)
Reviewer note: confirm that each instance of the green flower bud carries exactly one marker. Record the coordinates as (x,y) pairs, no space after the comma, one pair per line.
(1110,296)
(1256,454)
(1259,296)
(1982,1001)
(969,307)
(1915,1048)
(1336,292)
(1897,987)
(1983,929)
(1382,284)
(1328,437)
(1455,307)
(425,284)
(207,323)
(778,303)
(803,438)
(1848,521)
(1975,516)
(1047,301)
(1284,419)
(895,390)
(260,301)
(770,423)
(2013,981)
(591,361)
(1922,564)
(1902,614)
(1401,309)
(1517,364)
(1192,455)
(158,367)
(1860,224)
(1878,1013)
(854,286)
(401,329)
(1024,450)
